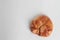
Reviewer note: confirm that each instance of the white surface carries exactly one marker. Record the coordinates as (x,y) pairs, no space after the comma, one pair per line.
(16,14)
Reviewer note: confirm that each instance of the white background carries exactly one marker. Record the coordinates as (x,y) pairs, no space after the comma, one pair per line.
(15,16)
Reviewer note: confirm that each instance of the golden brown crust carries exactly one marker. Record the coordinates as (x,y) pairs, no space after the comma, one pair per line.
(42,26)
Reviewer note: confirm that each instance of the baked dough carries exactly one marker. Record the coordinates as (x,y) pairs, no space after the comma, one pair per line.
(42,26)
